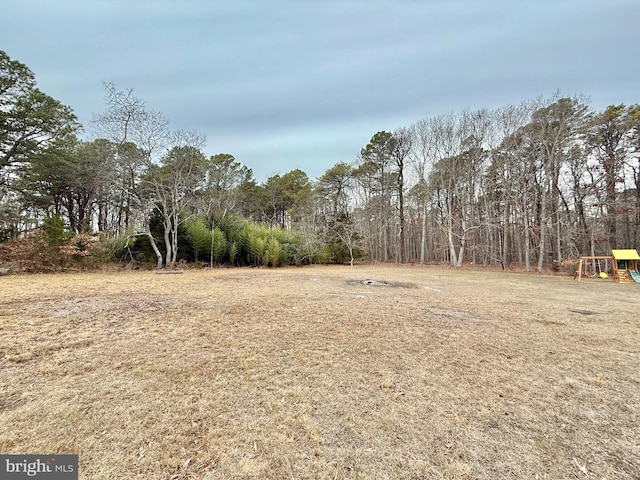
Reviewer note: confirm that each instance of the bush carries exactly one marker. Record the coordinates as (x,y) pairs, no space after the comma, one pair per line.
(83,251)
(40,251)
(23,254)
(263,246)
(219,245)
(198,236)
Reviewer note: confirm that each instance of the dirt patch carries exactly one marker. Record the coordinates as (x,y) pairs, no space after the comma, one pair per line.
(310,373)
(381,283)
(584,312)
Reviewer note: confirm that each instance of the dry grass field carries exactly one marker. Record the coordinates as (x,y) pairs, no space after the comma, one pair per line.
(314,373)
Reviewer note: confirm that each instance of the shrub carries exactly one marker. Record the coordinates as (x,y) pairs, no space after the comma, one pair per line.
(198,236)
(24,253)
(219,245)
(83,250)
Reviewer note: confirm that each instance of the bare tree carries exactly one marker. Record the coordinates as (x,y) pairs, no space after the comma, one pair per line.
(163,187)
(172,186)
(506,184)
(457,176)
(423,157)
(347,232)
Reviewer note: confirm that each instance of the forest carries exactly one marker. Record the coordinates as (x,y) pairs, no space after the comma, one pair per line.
(530,186)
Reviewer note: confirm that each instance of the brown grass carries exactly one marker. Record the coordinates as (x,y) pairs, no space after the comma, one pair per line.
(311,373)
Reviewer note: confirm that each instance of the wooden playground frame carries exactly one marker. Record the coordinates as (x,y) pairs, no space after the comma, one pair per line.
(581,260)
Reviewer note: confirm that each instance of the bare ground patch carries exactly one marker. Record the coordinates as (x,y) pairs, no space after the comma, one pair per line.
(312,373)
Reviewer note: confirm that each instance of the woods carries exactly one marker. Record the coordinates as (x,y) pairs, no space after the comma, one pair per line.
(529,185)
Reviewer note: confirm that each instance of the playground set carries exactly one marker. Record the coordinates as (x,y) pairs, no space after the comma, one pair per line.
(624,266)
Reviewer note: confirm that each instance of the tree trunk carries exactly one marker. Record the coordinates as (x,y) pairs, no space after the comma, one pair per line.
(505,237)
(212,245)
(543,225)
(463,242)
(543,229)
(453,258)
(155,248)
(167,241)
(423,239)
(174,241)
(527,236)
(401,213)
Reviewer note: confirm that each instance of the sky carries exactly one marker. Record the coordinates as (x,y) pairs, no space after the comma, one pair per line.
(286,84)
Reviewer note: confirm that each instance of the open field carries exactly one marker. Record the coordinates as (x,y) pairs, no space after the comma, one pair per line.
(309,373)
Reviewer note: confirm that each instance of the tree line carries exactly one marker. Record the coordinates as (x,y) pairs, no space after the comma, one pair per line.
(532,185)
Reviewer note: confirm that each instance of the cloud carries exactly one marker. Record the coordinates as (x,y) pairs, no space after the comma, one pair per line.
(297,84)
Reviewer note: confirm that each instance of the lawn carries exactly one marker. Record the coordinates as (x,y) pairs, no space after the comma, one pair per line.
(375,372)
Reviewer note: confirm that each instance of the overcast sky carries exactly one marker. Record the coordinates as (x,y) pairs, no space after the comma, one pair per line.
(284,84)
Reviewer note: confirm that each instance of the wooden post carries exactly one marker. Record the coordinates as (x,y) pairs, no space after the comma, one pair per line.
(580,269)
